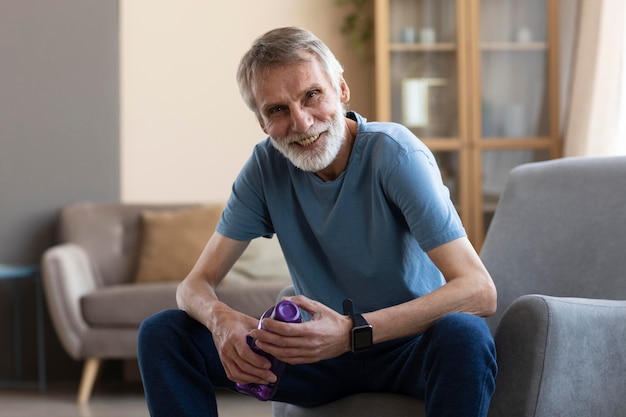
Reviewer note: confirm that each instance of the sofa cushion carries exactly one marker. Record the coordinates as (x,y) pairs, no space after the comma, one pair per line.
(127,305)
(110,234)
(262,260)
(172,241)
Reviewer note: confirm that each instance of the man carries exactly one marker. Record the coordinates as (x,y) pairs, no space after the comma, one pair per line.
(360,212)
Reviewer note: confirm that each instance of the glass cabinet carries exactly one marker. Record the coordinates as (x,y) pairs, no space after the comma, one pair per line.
(476,80)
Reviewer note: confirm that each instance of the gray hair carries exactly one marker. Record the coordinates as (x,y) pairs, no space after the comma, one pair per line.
(284,46)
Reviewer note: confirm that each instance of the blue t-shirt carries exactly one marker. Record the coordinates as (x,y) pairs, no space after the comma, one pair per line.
(363,235)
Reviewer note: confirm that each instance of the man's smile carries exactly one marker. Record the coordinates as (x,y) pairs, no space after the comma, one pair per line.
(308,141)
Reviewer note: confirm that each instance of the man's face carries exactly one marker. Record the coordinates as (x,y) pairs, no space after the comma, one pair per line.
(302,113)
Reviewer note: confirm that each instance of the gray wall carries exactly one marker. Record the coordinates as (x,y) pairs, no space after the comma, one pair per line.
(59,137)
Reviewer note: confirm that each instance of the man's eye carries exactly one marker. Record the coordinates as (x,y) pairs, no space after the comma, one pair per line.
(277,109)
(312,94)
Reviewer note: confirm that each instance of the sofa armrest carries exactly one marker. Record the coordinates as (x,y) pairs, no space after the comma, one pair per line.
(288,291)
(251,298)
(561,356)
(67,276)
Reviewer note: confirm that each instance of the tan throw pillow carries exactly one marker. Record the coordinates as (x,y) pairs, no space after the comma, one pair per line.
(263,260)
(173,240)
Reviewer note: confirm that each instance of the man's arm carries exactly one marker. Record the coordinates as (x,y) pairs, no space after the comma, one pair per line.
(196,295)
(469,289)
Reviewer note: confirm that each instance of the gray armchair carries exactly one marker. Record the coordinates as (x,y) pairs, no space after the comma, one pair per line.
(95,304)
(556,249)
(560,232)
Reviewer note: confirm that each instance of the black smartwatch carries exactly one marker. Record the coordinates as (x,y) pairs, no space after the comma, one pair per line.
(361,334)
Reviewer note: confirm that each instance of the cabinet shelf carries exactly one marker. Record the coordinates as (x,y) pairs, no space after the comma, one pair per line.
(517,143)
(423,47)
(514,46)
(443,144)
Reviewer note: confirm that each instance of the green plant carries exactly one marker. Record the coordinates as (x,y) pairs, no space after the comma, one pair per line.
(357,25)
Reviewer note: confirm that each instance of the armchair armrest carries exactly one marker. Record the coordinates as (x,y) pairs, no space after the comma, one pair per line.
(67,276)
(561,357)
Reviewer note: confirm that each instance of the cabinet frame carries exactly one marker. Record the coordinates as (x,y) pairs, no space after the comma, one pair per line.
(470,144)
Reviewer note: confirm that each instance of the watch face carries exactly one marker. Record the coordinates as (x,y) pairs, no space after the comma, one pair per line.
(361,338)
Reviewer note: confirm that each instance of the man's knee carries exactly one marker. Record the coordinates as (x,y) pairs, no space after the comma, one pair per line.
(463,334)
(461,364)
(157,324)
(463,325)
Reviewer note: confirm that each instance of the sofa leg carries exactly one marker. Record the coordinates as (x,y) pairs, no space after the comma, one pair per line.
(87,381)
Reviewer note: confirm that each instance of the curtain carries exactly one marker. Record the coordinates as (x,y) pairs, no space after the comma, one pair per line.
(597,110)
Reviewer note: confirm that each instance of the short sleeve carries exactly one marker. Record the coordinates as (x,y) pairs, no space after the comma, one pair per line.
(246,216)
(415,186)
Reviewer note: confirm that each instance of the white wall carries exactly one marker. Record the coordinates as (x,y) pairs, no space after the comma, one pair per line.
(185,132)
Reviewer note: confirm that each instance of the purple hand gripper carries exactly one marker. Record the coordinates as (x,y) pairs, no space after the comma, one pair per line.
(285,311)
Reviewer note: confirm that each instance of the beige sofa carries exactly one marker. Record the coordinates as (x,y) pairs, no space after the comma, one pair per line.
(117,264)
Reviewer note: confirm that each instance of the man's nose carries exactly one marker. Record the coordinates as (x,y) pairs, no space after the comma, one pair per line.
(301,119)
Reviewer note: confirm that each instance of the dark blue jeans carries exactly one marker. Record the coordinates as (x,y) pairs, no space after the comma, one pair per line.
(452,366)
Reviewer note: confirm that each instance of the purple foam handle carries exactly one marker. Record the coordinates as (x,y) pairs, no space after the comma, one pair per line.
(285,311)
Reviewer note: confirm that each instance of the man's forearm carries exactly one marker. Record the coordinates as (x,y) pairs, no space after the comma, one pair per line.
(197,297)
(196,293)
(416,316)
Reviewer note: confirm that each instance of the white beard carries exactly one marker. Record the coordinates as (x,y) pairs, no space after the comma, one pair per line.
(324,154)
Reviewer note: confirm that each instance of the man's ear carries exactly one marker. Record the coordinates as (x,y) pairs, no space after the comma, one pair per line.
(344,90)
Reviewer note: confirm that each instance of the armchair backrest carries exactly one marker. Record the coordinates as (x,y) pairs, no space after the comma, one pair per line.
(560,229)
(110,233)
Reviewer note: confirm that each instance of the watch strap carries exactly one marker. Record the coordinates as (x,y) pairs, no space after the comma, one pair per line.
(359,321)
(348,307)
(359,325)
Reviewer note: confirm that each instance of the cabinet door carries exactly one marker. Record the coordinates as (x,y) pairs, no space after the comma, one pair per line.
(515,106)
(419,62)
(423,55)
(514,69)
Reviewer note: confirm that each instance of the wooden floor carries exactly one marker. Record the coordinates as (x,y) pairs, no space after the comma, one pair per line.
(128,401)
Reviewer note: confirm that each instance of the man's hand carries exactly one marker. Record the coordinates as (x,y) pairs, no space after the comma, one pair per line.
(241,364)
(325,336)
(196,295)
